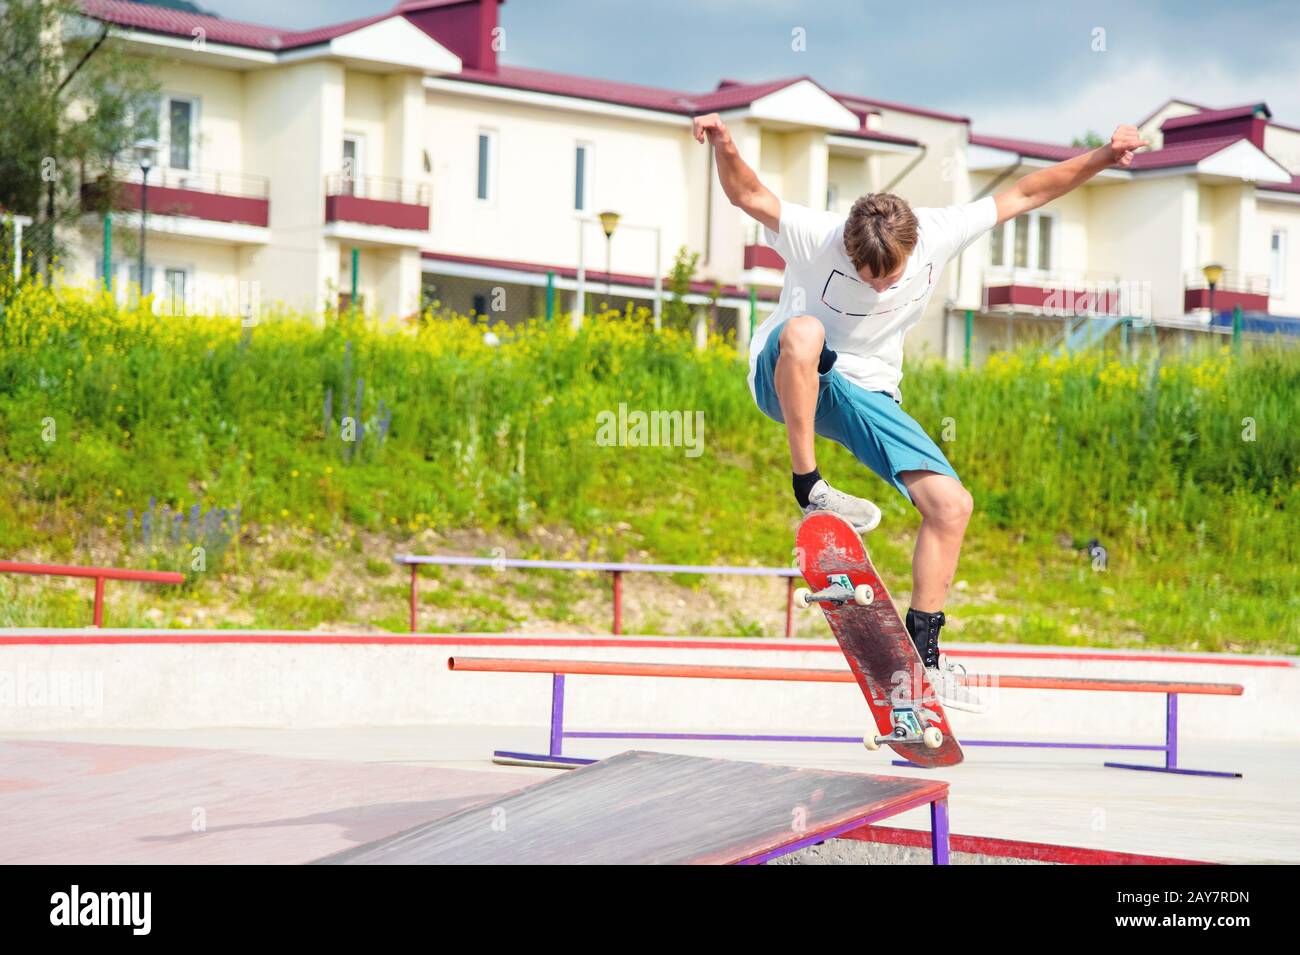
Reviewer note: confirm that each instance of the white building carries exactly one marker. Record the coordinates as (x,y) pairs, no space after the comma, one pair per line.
(398,154)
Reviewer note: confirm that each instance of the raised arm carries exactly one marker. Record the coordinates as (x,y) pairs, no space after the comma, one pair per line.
(1041,187)
(739,182)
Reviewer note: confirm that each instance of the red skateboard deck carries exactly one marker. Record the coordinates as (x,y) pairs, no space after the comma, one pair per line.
(874,638)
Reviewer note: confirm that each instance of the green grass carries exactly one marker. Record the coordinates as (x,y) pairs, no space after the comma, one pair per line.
(1187,470)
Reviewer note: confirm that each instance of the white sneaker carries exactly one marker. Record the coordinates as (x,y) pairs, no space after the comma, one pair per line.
(947,679)
(861,513)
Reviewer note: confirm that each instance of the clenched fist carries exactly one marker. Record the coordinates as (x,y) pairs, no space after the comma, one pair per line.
(1124,143)
(711,125)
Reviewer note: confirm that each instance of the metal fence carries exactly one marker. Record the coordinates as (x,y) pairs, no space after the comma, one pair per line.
(27,248)
(516,302)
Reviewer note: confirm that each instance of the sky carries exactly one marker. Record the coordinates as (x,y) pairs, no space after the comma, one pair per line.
(1048,70)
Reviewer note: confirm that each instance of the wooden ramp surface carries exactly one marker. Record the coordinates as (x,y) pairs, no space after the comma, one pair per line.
(641,808)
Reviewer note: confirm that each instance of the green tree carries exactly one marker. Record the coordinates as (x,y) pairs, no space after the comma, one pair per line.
(73,100)
(677,311)
(1089,140)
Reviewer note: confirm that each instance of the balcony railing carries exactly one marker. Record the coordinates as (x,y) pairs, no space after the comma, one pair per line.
(1064,293)
(377,200)
(213,195)
(758,254)
(216,181)
(1248,291)
(381,188)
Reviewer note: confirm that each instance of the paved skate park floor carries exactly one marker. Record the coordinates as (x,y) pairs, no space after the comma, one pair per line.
(291,796)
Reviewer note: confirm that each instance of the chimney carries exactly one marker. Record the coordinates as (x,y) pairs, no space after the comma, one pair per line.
(462,26)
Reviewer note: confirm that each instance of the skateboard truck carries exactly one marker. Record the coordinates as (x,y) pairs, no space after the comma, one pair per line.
(908,728)
(840,592)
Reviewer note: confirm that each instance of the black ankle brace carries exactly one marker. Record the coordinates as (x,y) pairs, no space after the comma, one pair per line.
(924,628)
(803,483)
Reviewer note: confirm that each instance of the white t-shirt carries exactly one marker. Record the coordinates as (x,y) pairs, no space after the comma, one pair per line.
(866,329)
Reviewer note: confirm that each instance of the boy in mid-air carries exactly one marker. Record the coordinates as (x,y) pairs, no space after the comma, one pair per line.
(829,359)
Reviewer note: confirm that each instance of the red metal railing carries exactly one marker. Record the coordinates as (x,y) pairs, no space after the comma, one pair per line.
(615,570)
(98,574)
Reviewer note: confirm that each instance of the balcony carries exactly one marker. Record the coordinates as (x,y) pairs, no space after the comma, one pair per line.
(1061,294)
(759,256)
(376,201)
(1249,290)
(212,196)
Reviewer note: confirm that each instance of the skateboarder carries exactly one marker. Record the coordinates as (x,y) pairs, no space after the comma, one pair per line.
(830,358)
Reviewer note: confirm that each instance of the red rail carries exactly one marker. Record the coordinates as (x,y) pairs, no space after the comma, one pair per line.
(98,574)
(804,675)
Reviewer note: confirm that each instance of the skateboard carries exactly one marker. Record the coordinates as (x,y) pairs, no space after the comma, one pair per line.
(875,641)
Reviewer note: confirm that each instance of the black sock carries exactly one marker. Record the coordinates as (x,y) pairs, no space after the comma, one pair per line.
(803,483)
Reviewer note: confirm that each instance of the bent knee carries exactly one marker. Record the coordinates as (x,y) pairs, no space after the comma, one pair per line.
(802,337)
(952,508)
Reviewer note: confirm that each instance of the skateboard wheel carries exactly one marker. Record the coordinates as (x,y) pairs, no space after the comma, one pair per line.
(863,594)
(932,737)
(803,597)
(869,741)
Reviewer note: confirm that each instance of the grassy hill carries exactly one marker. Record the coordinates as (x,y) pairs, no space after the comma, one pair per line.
(281,465)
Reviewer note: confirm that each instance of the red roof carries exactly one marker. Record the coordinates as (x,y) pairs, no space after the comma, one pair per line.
(729,94)
(877,104)
(1182,154)
(1215,115)
(1028,147)
(581,87)
(171,22)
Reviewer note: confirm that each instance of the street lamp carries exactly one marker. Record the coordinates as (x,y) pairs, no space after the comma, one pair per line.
(1213,276)
(580,293)
(146,154)
(609,222)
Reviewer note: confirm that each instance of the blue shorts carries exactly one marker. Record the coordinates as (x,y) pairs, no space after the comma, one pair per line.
(870,424)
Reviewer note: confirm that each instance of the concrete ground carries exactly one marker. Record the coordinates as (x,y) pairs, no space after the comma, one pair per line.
(292,795)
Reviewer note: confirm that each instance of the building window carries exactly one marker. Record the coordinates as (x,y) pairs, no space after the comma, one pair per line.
(1277,263)
(997,245)
(354,157)
(1027,242)
(170,285)
(487,142)
(1044,243)
(1020,248)
(174,288)
(832,196)
(582,177)
(179,131)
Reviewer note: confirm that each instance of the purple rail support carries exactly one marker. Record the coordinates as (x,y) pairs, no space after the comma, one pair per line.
(1171,749)
(1171,730)
(939,832)
(559,734)
(938,843)
(555,757)
(557,714)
